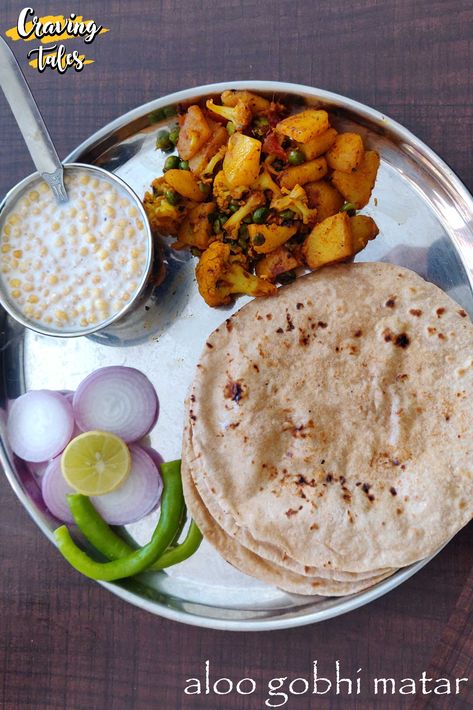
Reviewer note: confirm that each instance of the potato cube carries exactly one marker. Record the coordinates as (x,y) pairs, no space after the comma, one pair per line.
(319,145)
(185,183)
(275,263)
(201,159)
(194,132)
(356,187)
(363,228)
(267,237)
(325,198)
(255,102)
(346,153)
(303,127)
(241,163)
(196,231)
(329,242)
(300,174)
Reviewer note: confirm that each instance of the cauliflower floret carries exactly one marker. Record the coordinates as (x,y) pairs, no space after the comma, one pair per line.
(221,274)
(266,182)
(240,114)
(164,218)
(232,225)
(222,192)
(295,200)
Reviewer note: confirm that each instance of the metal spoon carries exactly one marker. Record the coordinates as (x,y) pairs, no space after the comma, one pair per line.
(30,122)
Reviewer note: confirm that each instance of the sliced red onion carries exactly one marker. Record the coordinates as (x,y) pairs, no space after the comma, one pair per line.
(155,455)
(40,425)
(137,495)
(54,488)
(68,394)
(38,468)
(117,399)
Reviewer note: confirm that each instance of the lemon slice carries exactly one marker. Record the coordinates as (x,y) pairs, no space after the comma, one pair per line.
(95,462)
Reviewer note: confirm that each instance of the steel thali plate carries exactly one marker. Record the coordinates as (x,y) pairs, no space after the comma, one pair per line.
(425,216)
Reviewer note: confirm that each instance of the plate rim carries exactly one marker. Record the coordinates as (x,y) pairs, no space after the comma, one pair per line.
(446,175)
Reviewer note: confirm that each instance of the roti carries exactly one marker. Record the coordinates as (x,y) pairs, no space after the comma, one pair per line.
(252,564)
(333,422)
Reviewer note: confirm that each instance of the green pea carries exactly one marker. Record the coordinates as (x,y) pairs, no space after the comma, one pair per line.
(295,157)
(287,214)
(231,128)
(259,240)
(248,219)
(261,122)
(184,165)
(171,163)
(286,278)
(163,142)
(172,197)
(260,126)
(260,214)
(350,208)
(243,232)
(174,135)
(204,188)
(233,208)
(169,111)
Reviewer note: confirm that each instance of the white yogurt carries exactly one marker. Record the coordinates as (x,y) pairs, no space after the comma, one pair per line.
(71,267)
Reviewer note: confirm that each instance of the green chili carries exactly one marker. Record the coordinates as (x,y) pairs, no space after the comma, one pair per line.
(172,503)
(183,551)
(95,529)
(106,541)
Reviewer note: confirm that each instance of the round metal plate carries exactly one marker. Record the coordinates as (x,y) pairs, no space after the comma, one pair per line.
(425,216)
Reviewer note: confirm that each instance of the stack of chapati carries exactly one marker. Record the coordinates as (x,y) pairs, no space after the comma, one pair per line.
(329,432)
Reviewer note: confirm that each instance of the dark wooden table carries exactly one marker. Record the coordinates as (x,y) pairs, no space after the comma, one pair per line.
(65,642)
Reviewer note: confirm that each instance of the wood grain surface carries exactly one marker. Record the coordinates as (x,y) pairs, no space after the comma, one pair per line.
(66,643)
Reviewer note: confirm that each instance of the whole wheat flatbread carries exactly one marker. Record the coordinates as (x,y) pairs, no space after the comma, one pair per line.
(251,564)
(267,551)
(334,421)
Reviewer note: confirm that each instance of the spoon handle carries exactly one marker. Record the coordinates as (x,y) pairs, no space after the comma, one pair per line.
(30,122)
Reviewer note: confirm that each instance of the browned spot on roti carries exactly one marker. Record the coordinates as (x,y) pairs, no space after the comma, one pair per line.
(233,391)
(209,345)
(391,302)
(440,312)
(462,313)
(229,325)
(415,312)
(299,306)
(357,333)
(289,513)
(402,340)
